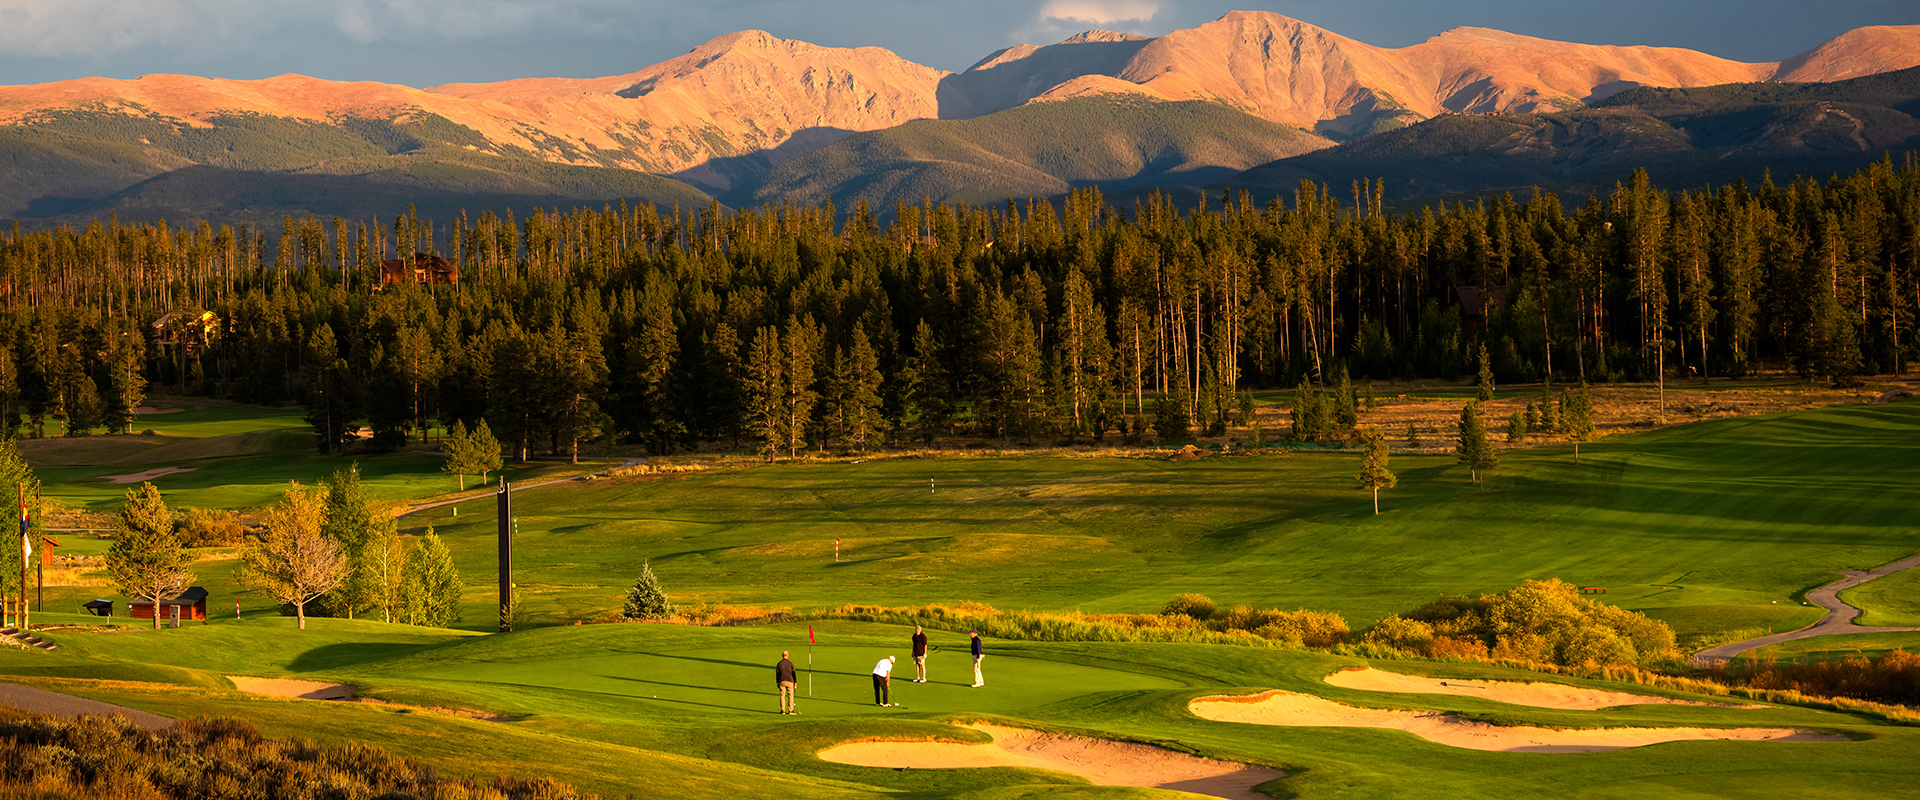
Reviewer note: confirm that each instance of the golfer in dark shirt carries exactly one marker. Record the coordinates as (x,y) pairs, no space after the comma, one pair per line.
(978,681)
(919,655)
(785,677)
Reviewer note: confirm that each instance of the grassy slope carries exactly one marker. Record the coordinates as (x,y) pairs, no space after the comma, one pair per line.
(633,719)
(1036,150)
(76,166)
(1714,527)
(1892,601)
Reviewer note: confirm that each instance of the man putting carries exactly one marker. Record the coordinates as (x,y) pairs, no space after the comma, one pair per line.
(785,677)
(882,682)
(978,681)
(919,655)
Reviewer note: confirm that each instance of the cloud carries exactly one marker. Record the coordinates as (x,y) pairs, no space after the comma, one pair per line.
(37,28)
(1099,12)
(80,28)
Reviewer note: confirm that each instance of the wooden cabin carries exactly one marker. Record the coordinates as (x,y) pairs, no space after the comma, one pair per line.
(192,604)
(194,329)
(424,269)
(1474,303)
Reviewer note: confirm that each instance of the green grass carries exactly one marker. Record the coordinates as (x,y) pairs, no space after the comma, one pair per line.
(1823,648)
(669,709)
(1715,527)
(239,457)
(1892,601)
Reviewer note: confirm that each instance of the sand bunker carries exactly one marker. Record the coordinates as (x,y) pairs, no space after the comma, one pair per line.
(149,410)
(1299,710)
(1100,761)
(1536,694)
(288,687)
(138,477)
(319,690)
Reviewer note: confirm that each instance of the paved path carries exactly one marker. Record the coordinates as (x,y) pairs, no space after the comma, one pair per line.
(66,706)
(1839,618)
(518,487)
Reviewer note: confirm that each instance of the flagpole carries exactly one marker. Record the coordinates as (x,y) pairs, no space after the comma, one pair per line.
(25,551)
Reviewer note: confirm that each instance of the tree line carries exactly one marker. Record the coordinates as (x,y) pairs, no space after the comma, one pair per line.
(792,327)
(324,546)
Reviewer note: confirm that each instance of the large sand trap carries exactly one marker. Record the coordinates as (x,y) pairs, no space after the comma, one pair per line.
(320,690)
(1537,694)
(1299,710)
(288,687)
(1100,761)
(138,477)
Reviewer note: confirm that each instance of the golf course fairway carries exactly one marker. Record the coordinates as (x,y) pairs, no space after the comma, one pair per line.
(1717,528)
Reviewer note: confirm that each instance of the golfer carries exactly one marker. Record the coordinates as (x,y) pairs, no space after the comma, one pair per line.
(785,677)
(882,682)
(919,655)
(978,681)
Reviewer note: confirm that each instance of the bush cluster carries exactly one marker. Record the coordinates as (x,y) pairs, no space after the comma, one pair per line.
(1538,622)
(208,527)
(1043,627)
(108,758)
(1891,678)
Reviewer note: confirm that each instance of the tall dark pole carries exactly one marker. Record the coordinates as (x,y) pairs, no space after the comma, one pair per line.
(504,498)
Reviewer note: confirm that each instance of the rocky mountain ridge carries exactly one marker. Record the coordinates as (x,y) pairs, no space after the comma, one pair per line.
(735,107)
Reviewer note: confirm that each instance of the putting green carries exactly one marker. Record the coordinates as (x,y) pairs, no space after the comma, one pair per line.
(740,679)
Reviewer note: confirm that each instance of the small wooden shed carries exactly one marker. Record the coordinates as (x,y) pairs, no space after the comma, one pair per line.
(99,608)
(192,604)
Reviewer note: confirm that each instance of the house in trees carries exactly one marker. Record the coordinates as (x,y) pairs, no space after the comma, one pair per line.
(424,268)
(192,329)
(192,604)
(1474,302)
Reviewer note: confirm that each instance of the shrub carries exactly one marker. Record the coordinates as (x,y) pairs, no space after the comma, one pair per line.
(1544,622)
(208,527)
(1196,606)
(1302,627)
(1399,632)
(107,758)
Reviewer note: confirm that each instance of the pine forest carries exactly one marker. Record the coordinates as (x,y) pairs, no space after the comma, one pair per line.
(789,329)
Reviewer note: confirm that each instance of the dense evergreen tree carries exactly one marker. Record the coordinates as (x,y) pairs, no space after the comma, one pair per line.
(147,560)
(1374,474)
(645,600)
(1472,446)
(347,518)
(1576,415)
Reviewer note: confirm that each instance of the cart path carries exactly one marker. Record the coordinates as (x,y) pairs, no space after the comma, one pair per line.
(66,706)
(1839,618)
(518,487)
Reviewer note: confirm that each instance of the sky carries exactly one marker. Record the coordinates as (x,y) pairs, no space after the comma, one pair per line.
(427,42)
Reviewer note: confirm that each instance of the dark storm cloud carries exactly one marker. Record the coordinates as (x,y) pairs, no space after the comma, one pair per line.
(424,42)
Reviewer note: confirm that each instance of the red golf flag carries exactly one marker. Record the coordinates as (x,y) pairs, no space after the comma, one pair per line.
(809,634)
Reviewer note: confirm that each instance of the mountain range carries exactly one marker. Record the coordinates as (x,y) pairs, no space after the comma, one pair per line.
(1251,100)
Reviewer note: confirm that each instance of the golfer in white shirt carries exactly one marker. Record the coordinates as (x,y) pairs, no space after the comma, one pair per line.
(882,681)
